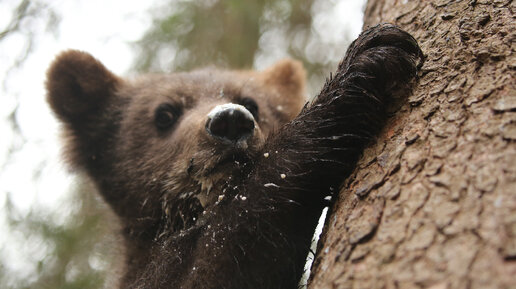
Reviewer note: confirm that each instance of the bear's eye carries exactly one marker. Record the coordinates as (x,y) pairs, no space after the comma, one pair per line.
(166,116)
(251,106)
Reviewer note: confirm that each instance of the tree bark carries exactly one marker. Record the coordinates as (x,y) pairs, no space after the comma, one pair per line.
(433,203)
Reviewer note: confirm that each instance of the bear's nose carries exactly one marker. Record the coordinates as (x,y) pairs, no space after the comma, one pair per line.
(230,122)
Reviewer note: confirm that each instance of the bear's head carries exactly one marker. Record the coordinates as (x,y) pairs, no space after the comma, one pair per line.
(149,141)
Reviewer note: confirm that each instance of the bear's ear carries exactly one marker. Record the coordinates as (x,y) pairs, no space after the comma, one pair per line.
(288,78)
(78,85)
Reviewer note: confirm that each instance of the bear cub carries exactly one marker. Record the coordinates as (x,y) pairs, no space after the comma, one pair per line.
(219,177)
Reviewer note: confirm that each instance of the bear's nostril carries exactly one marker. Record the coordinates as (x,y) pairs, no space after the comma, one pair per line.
(230,123)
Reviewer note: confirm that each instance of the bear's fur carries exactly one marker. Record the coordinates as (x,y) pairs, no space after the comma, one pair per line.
(200,209)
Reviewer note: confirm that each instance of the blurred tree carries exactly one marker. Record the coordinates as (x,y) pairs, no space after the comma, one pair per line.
(241,34)
(52,253)
(28,18)
(188,34)
(74,253)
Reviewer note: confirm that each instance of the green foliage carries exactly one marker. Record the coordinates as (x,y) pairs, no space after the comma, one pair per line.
(238,34)
(29,18)
(198,31)
(69,254)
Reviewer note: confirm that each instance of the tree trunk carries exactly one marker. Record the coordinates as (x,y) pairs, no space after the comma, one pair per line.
(433,203)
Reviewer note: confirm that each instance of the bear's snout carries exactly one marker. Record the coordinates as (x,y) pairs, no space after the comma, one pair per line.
(230,122)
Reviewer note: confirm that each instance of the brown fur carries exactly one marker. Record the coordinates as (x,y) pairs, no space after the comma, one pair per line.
(198,212)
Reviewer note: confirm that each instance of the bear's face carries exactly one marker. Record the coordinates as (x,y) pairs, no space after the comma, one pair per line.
(168,136)
(170,129)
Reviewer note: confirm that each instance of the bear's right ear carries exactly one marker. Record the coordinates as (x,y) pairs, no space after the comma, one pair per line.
(78,85)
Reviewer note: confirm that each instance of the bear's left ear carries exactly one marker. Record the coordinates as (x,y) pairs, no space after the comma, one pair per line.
(78,85)
(288,78)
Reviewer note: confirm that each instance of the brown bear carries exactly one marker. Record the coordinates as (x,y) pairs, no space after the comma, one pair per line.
(219,177)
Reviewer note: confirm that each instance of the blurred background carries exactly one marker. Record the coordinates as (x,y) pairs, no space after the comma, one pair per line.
(56,233)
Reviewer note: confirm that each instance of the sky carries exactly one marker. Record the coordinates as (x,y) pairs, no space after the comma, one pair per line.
(104,28)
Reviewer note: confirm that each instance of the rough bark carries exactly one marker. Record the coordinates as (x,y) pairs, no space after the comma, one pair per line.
(433,203)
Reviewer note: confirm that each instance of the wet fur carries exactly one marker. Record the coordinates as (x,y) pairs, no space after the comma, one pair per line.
(255,228)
